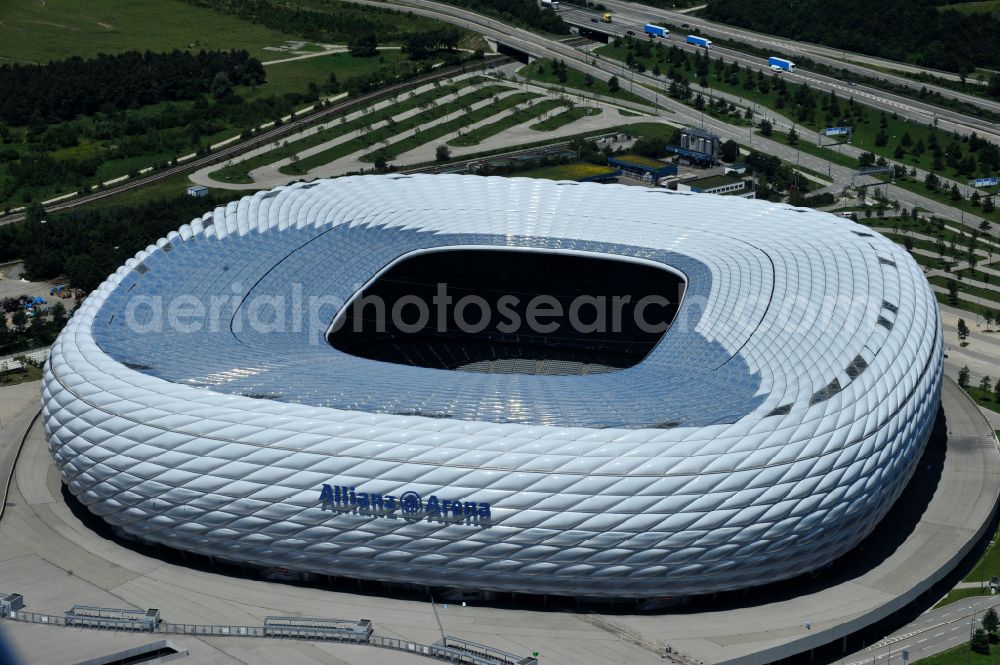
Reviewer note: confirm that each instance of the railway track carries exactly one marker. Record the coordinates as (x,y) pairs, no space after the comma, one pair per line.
(263,138)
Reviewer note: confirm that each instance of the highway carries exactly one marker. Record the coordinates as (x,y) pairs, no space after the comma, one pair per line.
(858,63)
(906,107)
(543,47)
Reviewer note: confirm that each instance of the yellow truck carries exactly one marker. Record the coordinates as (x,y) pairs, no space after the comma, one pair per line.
(606,17)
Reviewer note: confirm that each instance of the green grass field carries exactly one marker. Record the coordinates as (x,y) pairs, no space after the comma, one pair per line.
(35,31)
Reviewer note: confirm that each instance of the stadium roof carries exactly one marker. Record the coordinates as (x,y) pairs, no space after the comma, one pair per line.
(768,431)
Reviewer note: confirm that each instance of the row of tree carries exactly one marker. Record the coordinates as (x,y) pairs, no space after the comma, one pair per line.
(64,89)
(417,45)
(923,32)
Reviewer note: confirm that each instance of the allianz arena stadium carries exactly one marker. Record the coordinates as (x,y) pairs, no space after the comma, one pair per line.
(235,391)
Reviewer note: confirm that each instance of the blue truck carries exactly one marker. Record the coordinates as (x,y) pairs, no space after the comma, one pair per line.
(780,64)
(699,41)
(656,31)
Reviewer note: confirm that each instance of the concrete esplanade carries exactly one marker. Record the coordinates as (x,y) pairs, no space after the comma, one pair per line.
(56,560)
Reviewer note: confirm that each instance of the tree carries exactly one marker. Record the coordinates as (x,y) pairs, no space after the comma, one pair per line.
(766,127)
(996,391)
(952,293)
(442,154)
(613,85)
(588,80)
(648,147)
(58,313)
(793,136)
(19,320)
(986,384)
(980,642)
(222,86)
(955,194)
(364,46)
(84,272)
(963,378)
(730,151)
(562,71)
(963,330)
(988,204)
(993,86)
(991,622)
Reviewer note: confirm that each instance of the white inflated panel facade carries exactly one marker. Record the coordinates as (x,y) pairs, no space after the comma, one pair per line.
(770,430)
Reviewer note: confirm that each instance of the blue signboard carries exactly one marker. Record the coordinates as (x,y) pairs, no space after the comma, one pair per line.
(837,131)
(407,504)
(985,182)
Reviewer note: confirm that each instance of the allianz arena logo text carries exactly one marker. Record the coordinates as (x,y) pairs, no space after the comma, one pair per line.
(408,504)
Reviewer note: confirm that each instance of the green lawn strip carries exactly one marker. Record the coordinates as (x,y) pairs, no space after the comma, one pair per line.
(628,113)
(240,172)
(933,262)
(435,132)
(815,150)
(978,291)
(973,308)
(941,196)
(987,400)
(954,596)
(979,276)
(566,117)
(387,131)
(960,655)
(480,134)
(917,242)
(541,70)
